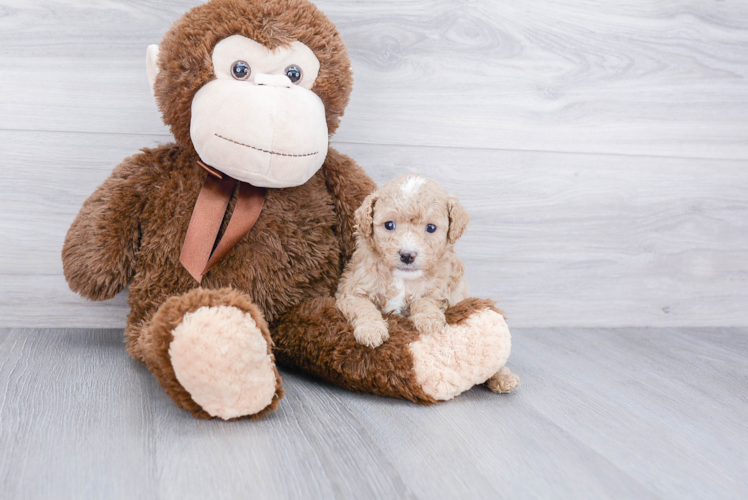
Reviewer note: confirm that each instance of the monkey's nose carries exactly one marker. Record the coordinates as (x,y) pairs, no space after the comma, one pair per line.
(407,257)
(273,80)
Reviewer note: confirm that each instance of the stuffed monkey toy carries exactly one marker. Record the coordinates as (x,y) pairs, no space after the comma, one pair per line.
(233,238)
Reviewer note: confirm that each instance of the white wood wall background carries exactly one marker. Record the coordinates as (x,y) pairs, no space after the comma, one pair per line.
(602,150)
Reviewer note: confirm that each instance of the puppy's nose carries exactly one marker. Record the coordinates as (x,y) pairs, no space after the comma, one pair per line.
(407,257)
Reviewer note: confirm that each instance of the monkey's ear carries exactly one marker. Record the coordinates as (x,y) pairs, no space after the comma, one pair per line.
(364,216)
(151,64)
(458,219)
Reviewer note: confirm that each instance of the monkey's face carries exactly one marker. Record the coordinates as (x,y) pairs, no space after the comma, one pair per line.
(255,87)
(258,121)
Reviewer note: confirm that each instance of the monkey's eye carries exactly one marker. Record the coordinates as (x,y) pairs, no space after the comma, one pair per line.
(389,225)
(430,228)
(240,70)
(293,73)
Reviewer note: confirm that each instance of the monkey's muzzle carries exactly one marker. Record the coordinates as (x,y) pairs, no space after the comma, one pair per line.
(269,133)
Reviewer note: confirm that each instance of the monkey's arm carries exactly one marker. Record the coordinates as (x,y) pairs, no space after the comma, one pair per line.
(100,246)
(349,185)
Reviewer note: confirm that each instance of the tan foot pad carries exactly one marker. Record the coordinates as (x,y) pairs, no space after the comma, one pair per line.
(504,381)
(461,356)
(221,358)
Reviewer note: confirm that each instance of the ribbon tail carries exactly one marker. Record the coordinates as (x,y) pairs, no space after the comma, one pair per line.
(249,203)
(205,223)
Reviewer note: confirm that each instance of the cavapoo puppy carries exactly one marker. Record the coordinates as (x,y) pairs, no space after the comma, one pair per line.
(404,261)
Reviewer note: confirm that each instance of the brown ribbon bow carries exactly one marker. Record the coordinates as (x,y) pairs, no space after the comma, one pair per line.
(198,254)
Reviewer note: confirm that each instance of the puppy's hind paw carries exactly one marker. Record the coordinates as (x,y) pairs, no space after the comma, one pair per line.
(372,333)
(425,323)
(504,381)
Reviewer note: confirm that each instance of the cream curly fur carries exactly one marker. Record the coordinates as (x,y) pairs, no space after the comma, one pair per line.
(378,280)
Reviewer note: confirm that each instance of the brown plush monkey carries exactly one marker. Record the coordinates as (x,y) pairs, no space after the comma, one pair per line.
(233,238)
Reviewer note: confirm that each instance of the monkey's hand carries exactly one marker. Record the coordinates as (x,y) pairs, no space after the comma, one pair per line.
(100,246)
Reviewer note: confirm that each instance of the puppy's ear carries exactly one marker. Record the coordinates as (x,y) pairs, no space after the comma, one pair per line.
(458,219)
(364,216)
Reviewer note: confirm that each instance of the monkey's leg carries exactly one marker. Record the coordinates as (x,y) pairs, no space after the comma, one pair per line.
(212,353)
(424,368)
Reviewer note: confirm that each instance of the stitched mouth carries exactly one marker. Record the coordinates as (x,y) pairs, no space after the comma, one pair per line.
(265,150)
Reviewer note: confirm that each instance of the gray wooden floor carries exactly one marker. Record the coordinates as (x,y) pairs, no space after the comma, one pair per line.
(602,413)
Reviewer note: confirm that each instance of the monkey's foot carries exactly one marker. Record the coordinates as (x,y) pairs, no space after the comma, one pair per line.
(466,353)
(221,358)
(211,351)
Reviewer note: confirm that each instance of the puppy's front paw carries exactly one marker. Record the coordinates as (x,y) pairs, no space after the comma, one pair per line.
(372,333)
(429,323)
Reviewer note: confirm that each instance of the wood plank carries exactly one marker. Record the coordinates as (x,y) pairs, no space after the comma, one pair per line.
(656,77)
(557,239)
(624,413)
(75,417)
(44,300)
(653,402)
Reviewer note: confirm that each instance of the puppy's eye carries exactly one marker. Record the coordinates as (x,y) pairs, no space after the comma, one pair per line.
(240,70)
(293,73)
(389,225)
(430,228)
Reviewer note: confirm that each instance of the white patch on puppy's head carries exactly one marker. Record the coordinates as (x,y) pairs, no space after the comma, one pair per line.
(412,184)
